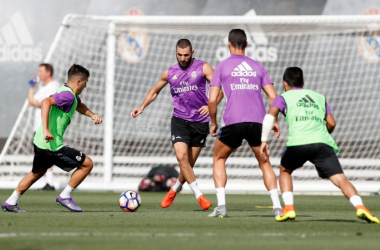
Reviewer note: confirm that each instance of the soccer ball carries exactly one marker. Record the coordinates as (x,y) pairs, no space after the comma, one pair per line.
(129,201)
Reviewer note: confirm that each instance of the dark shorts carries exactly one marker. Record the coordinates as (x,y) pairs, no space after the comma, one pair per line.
(233,135)
(66,158)
(320,154)
(192,133)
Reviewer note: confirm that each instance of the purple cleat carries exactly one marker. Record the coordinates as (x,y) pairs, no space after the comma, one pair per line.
(69,204)
(11,208)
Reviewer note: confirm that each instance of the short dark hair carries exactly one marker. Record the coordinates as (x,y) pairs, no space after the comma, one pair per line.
(238,38)
(184,43)
(78,71)
(48,68)
(293,76)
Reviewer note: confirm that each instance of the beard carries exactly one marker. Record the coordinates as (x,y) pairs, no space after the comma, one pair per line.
(184,64)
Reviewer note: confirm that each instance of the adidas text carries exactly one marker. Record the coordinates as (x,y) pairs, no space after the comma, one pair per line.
(16,53)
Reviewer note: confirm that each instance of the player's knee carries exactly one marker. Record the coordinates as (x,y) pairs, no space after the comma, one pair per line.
(182,158)
(88,164)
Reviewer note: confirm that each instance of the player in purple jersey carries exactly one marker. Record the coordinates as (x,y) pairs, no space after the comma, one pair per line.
(241,79)
(190,121)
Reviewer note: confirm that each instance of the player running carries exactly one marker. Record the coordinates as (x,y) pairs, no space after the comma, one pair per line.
(241,79)
(57,112)
(310,124)
(190,120)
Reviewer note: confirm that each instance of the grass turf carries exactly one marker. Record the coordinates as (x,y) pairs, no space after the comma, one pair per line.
(323,222)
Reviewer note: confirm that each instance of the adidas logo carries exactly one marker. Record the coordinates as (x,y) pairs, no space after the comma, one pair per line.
(16,42)
(174,77)
(258,44)
(307,102)
(243,69)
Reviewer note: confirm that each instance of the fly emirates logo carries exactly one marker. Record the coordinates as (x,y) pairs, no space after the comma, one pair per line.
(244,85)
(185,87)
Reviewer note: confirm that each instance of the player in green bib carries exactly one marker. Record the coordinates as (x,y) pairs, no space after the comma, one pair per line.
(57,112)
(310,124)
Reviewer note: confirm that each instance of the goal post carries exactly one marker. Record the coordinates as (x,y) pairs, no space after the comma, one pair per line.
(125,55)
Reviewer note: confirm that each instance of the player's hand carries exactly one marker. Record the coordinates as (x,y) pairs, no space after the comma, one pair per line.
(96,118)
(48,136)
(136,112)
(276,130)
(213,129)
(264,150)
(204,110)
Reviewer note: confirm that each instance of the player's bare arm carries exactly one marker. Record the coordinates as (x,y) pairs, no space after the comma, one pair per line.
(212,107)
(268,124)
(271,94)
(330,123)
(208,71)
(82,108)
(152,94)
(45,110)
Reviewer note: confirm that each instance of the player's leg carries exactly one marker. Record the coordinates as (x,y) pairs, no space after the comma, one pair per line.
(270,180)
(221,154)
(68,159)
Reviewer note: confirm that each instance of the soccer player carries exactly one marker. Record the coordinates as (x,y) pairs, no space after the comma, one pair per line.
(310,124)
(49,87)
(190,120)
(57,112)
(242,80)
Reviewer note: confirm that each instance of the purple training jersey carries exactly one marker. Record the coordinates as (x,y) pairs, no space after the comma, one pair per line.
(280,103)
(189,91)
(241,79)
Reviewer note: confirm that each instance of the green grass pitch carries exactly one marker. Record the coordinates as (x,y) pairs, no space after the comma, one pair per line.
(323,222)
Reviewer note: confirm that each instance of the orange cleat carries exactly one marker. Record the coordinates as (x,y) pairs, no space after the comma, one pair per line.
(205,204)
(363,213)
(169,198)
(288,213)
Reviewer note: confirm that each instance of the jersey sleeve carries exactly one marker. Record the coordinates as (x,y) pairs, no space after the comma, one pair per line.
(217,77)
(64,100)
(279,103)
(266,78)
(328,109)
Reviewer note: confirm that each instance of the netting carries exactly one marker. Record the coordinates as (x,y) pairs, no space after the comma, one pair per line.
(340,59)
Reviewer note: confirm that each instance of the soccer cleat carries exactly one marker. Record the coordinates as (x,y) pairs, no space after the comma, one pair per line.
(205,204)
(288,213)
(277,211)
(363,213)
(68,203)
(219,211)
(47,187)
(11,208)
(169,198)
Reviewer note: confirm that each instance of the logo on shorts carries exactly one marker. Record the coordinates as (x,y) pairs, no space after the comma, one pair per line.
(79,157)
(368,42)
(193,74)
(203,140)
(307,102)
(173,137)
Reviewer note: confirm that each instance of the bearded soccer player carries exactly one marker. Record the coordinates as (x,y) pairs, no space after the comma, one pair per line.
(242,80)
(57,112)
(310,124)
(190,120)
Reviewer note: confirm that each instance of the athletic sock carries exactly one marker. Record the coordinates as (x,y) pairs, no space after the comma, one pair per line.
(66,193)
(49,178)
(13,199)
(287,197)
(275,198)
(195,189)
(177,186)
(221,196)
(356,200)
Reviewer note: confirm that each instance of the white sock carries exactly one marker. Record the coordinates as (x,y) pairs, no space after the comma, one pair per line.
(177,186)
(49,178)
(275,199)
(13,199)
(356,200)
(66,193)
(221,196)
(287,197)
(195,189)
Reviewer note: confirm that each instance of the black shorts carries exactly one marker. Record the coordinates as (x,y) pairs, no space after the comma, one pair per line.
(233,135)
(320,154)
(192,133)
(66,159)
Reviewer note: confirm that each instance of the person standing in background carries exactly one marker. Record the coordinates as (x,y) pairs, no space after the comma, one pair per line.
(35,98)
